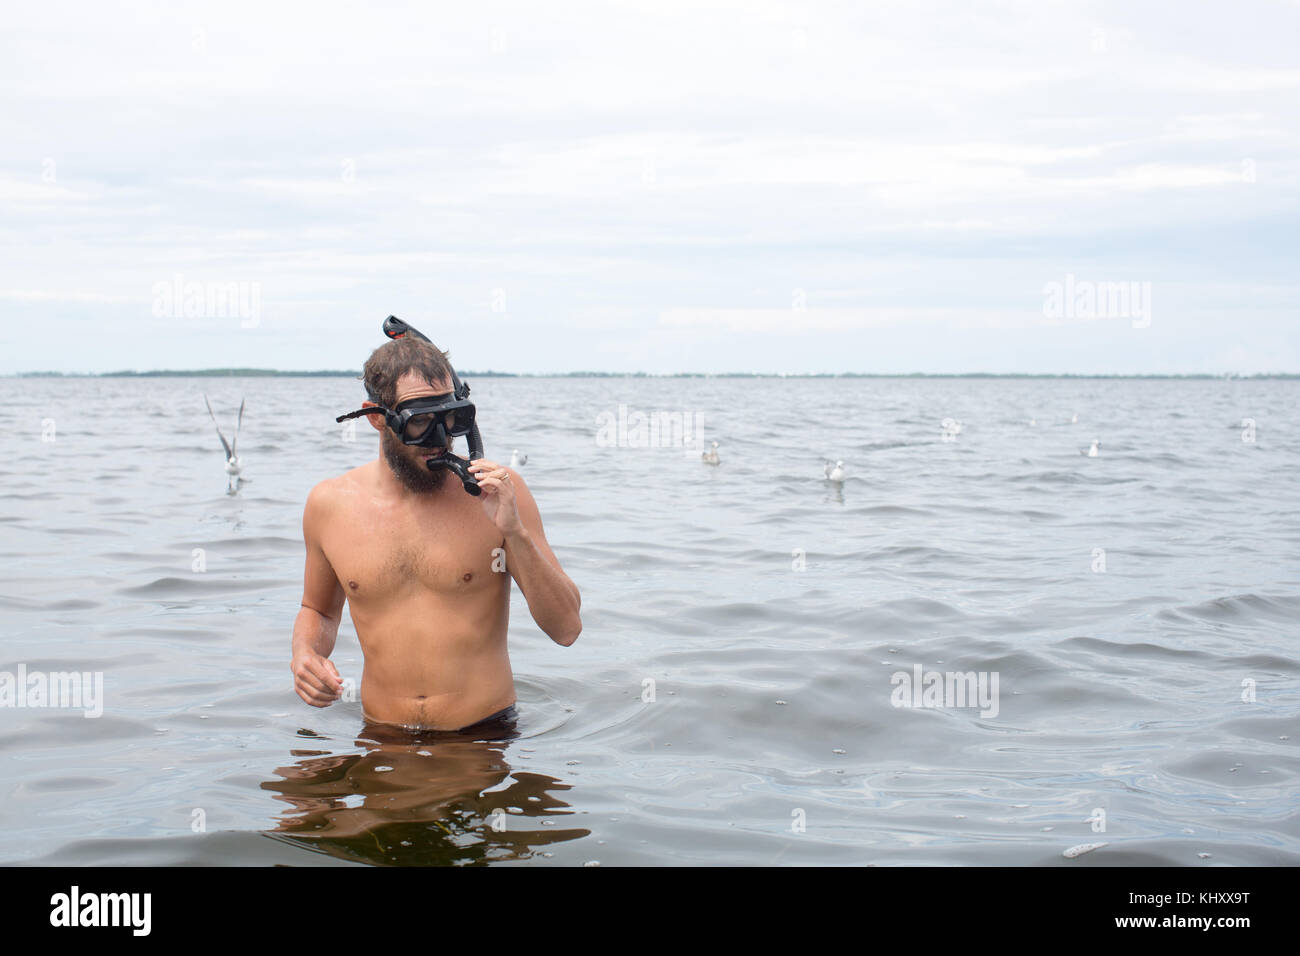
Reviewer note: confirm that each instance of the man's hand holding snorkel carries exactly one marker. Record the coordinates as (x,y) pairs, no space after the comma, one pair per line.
(553,600)
(497,495)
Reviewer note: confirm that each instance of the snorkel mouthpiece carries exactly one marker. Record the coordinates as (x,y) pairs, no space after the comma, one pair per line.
(439,434)
(460,467)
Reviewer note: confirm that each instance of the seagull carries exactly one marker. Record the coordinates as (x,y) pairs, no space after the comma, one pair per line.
(1074,419)
(835,473)
(1094,450)
(951,427)
(233,464)
(517,460)
(710,457)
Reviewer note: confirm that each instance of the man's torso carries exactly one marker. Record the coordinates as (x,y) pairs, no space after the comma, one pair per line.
(430,612)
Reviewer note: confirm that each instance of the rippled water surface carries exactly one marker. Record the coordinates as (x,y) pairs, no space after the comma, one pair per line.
(1139,610)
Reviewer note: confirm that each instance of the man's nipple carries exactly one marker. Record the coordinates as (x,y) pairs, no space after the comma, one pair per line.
(468,575)
(352,585)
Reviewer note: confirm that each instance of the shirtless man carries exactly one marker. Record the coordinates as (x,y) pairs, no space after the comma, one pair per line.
(425,569)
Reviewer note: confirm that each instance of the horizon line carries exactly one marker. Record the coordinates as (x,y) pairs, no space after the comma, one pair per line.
(490,373)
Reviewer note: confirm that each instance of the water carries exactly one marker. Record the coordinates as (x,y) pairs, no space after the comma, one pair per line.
(771,737)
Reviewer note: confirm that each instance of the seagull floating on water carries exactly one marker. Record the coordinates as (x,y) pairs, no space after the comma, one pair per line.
(1094,450)
(1074,419)
(517,460)
(951,427)
(710,457)
(233,465)
(835,473)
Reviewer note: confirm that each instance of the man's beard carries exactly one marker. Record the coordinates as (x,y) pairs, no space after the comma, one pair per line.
(411,472)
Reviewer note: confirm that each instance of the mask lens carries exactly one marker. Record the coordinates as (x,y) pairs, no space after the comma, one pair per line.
(416,426)
(460,421)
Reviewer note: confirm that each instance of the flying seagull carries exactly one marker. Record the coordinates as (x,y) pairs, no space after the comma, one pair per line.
(233,464)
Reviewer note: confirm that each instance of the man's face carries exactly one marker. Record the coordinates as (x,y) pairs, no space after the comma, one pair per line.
(408,461)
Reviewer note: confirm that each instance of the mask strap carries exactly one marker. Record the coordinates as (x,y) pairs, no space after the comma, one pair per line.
(376,410)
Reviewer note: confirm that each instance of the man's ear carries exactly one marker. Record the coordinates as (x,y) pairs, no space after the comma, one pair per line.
(377,421)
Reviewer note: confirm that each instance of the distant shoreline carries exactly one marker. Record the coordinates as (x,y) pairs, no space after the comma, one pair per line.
(331,373)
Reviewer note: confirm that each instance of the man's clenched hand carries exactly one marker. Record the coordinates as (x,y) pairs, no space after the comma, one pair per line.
(316,679)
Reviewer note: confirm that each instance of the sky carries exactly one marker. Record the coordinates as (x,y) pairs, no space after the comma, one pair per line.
(873,187)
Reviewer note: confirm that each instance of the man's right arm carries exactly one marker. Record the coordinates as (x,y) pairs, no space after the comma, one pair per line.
(315,677)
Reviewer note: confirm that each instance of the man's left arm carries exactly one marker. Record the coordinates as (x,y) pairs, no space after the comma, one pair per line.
(553,599)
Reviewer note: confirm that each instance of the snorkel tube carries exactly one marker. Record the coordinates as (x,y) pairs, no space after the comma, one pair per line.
(395,328)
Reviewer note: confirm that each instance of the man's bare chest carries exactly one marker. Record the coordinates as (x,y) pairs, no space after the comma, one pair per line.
(380,552)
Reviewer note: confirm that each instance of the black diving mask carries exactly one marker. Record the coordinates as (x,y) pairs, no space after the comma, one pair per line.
(432,421)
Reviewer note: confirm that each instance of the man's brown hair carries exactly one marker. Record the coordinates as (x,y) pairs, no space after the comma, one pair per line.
(394,359)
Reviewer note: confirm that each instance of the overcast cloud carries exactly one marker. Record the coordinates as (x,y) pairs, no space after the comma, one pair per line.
(820,187)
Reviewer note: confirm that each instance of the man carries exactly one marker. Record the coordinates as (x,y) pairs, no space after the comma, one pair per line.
(425,569)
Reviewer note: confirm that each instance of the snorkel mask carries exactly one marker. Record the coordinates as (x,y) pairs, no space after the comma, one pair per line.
(432,421)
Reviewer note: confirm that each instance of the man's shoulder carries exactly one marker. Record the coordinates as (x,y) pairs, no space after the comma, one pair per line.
(516,478)
(329,490)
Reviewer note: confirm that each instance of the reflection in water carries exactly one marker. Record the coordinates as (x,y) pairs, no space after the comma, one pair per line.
(834,492)
(407,800)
